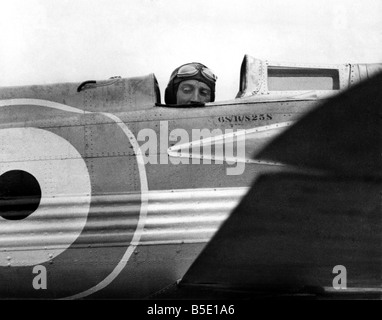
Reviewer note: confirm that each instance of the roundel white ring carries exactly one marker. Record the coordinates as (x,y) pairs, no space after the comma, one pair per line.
(142,176)
(18,145)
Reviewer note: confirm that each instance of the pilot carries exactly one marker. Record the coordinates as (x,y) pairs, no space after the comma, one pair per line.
(191,83)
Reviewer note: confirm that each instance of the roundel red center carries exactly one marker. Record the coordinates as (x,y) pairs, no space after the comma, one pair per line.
(20,194)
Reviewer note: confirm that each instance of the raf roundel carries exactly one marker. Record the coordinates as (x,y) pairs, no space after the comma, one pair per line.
(18,147)
(73,198)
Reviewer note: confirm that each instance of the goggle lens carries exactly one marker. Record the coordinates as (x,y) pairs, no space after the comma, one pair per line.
(209,74)
(187,71)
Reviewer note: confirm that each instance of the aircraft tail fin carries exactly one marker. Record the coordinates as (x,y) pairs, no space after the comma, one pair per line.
(342,136)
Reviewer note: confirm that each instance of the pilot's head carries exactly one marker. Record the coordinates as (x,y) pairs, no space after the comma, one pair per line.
(191,82)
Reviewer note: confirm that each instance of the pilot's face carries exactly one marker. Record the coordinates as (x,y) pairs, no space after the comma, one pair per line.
(190,91)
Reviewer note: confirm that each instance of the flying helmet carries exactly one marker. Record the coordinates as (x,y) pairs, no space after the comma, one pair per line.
(189,71)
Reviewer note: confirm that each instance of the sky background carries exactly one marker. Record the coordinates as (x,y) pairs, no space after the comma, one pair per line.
(49,41)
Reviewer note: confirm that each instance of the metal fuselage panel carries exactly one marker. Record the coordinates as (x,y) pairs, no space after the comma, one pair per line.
(115,220)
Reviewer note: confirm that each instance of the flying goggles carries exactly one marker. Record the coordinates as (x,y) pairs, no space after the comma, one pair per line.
(190,70)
